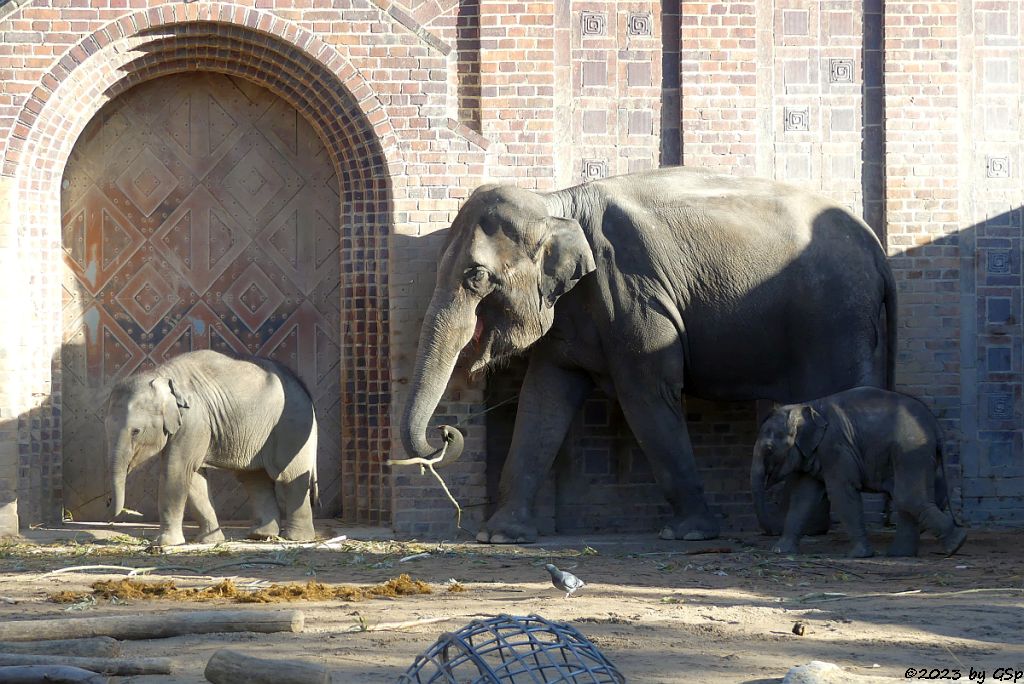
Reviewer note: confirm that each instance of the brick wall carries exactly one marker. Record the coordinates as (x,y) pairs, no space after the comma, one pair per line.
(991,227)
(908,112)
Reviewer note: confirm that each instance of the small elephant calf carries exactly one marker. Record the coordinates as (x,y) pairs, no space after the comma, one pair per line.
(863,439)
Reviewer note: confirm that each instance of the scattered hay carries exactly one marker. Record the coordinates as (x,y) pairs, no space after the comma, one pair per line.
(128,589)
(456,588)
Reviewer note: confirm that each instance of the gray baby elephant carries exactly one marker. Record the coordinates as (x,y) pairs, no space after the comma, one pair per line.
(861,440)
(203,408)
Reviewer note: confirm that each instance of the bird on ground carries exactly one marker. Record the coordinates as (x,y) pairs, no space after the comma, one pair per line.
(566,581)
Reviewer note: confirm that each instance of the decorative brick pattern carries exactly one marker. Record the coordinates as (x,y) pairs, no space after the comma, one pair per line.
(840,71)
(111,50)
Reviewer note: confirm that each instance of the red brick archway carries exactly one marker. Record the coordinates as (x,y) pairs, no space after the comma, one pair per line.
(342,109)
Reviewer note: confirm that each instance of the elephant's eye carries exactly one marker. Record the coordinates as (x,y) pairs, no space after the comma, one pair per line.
(135,432)
(477,278)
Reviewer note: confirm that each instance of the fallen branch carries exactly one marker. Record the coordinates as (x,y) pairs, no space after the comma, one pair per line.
(415,556)
(822,598)
(229,667)
(428,464)
(107,666)
(80,568)
(33,674)
(132,572)
(692,552)
(207,571)
(389,626)
(831,567)
(154,626)
(98,647)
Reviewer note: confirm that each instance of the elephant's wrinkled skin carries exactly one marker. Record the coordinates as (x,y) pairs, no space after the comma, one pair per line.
(203,408)
(861,440)
(649,285)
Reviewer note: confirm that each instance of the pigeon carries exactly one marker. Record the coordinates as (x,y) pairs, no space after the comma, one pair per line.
(566,581)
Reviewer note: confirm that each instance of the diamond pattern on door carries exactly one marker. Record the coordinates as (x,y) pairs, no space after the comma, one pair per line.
(200,212)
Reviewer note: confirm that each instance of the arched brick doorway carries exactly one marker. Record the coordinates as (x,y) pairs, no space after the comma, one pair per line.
(200,211)
(343,110)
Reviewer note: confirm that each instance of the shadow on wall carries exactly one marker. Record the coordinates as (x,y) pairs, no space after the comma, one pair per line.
(961,342)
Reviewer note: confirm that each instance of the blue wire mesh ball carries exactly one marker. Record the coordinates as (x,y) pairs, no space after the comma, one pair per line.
(509,648)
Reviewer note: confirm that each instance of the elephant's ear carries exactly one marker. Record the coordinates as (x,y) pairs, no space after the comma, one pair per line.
(565,257)
(171,402)
(811,427)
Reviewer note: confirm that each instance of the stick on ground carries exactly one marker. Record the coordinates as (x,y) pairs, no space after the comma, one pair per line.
(95,647)
(232,667)
(155,625)
(107,666)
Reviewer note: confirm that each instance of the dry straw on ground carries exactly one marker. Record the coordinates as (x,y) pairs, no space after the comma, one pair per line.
(130,589)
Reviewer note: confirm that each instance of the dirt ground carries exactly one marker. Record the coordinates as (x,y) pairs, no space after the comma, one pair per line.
(719,611)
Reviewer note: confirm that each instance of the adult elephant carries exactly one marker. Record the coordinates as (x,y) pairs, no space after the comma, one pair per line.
(649,285)
(204,408)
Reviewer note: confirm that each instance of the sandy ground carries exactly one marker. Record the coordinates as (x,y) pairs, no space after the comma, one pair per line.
(720,611)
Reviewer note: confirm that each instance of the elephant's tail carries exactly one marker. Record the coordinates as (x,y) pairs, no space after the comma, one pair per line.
(889,301)
(314,479)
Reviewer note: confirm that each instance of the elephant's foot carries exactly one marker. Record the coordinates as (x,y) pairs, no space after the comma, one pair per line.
(694,528)
(169,538)
(212,537)
(299,532)
(263,531)
(953,540)
(786,546)
(507,528)
(861,549)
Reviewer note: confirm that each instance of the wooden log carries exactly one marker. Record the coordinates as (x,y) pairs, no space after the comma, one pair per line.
(33,674)
(154,625)
(107,666)
(95,647)
(231,667)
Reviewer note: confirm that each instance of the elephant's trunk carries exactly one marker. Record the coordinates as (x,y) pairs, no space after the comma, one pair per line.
(119,461)
(757,490)
(447,328)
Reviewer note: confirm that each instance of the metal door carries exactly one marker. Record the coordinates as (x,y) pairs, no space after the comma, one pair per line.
(200,211)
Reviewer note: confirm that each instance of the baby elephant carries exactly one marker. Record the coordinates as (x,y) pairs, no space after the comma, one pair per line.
(863,439)
(203,408)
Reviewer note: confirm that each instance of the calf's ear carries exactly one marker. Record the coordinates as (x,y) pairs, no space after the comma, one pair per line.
(565,257)
(810,430)
(171,402)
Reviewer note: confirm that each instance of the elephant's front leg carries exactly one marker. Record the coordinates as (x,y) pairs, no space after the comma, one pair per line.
(805,496)
(202,508)
(175,484)
(654,412)
(266,516)
(548,400)
(846,500)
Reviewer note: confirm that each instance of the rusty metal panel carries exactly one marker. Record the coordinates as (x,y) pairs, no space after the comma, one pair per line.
(200,211)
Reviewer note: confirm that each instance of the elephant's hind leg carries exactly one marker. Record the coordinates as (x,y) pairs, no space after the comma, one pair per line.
(293,500)
(913,496)
(266,517)
(202,509)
